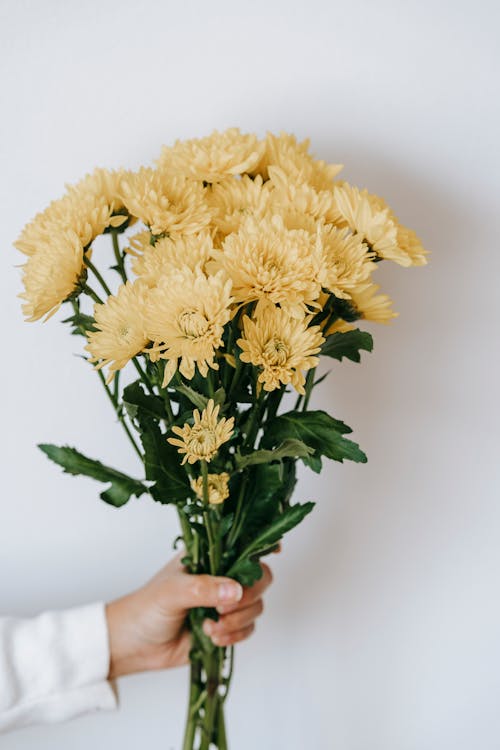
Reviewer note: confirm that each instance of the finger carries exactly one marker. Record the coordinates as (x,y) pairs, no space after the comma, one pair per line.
(186,591)
(250,593)
(228,639)
(234,621)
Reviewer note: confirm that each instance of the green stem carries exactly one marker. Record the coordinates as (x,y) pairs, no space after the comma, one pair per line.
(207,520)
(120,415)
(98,276)
(112,397)
(194,694)
(93,295)
(143,376)
(118,256)
(308,387)
(235,528)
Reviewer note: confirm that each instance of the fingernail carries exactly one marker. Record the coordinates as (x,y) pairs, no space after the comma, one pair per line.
(208,627)
(230,591)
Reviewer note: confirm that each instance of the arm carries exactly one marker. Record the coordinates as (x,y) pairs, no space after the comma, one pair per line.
(59,665)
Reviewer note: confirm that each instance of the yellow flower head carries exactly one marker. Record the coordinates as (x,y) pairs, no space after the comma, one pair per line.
(347,261)
(409,244)
(271,264)
(185,318)
(87,208)
(282,346)
(213,158)
(233,200)
(121,331)
(294,159)
(168,204)
(204,438)
(373,306)
(168,255)
(51,274)
(374,224)
(218,487)
(289,197)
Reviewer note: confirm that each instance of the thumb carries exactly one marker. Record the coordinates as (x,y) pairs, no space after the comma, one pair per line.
(205,591)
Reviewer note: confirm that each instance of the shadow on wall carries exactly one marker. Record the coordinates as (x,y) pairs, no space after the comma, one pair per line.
(407,374)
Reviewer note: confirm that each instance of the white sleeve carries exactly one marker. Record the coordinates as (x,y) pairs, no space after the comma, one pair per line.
(54,667)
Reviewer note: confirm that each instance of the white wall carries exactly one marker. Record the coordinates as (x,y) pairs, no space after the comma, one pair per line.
(382,629)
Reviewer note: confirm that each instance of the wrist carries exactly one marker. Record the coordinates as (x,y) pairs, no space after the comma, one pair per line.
(124,655)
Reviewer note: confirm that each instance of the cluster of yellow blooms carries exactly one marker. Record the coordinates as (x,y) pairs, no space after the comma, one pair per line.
(226,222)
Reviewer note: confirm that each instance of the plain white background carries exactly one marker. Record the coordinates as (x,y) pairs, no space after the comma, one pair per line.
(382,629)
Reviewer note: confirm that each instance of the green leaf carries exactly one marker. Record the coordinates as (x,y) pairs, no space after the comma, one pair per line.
(80,323)
(272,534)
(199,399)
(162,464)
(290,448)
(262,498)
(196,398)
(318,430)
(135,400)
(246,571)
(347,344)
(122,487)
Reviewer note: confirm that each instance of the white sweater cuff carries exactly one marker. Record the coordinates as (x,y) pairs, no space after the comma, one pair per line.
(54,667)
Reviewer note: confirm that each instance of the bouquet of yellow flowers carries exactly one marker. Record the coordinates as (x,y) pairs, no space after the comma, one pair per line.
(242,261)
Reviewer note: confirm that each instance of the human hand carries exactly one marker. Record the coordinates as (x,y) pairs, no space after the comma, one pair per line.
(147,628)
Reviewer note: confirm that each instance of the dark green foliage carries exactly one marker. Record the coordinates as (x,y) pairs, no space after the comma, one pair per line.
(122,487)
(318,430)
(135,401)
(291,448)
(348,344)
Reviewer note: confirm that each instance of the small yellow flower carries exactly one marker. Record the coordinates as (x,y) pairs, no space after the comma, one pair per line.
(121,330)
(185,318)
(288,196)
(373,306)
(213,158)
(168,255)
(168,204)
(218,487)
(282,346)
(204,438)
(51,274)
(297,163)
(268,263)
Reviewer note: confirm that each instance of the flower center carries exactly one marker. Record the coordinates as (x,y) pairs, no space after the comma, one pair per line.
(202,441)
(276,352)
(193,324)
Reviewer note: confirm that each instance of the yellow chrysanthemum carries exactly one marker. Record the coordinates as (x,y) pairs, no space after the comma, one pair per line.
(374,223)
(233,200)
(289,196)
(268,263)
(218,487)
(297,163)
(373,306)
(168,204)
(167,255)
(88,208)
(202,441)
(51,274)
(282,346)
(185,319)
(407,240)
(213,158)
(347,261)
(121,329)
